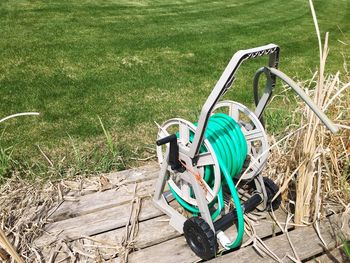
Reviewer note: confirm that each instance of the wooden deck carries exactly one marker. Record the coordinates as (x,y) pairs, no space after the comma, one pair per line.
(91,227)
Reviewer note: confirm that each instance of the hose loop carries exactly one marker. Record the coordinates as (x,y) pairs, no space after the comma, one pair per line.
(230,148)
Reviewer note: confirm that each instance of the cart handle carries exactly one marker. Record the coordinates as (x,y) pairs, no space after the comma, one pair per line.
(225,82)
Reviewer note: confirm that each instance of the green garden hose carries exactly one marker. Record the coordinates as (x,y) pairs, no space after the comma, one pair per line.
(230,148)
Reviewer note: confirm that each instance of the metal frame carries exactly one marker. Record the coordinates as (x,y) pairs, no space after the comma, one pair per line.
(161,198)
(176,219)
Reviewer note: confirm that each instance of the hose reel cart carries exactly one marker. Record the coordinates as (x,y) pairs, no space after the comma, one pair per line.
(202,162)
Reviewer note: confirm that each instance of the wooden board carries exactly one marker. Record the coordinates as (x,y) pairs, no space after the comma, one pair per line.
(101,200)
(336,255)
(100,217)
(150,232)
(95,223)
(131,176)
(305,240)
(102,211)
(176,249)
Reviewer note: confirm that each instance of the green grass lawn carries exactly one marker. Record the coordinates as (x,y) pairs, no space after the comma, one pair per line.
(135,62)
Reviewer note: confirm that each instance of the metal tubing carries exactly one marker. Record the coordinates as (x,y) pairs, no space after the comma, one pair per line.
(261,103)
(231,218)
(323,117)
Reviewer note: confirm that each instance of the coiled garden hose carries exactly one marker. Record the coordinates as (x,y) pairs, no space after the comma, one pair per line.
(230,147)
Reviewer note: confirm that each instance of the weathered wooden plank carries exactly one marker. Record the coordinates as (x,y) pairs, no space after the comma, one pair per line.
(131,176)
(151,232)
(96,213)
(94,223)
(176,249)
(172,251)
(336,256)
(305,240)
(101,200)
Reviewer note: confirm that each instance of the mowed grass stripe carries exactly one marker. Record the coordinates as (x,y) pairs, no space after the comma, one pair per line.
(135,62)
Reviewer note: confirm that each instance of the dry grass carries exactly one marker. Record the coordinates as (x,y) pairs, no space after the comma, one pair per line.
(9,249)
(312,165)
(24,208)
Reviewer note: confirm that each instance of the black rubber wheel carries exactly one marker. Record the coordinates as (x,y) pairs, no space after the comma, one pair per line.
(272,189)
(200,237)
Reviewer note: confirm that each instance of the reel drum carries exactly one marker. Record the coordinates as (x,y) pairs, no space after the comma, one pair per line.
(254,134)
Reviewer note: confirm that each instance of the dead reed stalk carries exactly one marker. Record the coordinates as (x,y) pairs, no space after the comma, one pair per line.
(312,162)
(5,243)
(317,149)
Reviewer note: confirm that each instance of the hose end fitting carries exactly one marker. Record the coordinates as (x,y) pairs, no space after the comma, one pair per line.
(223,239)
